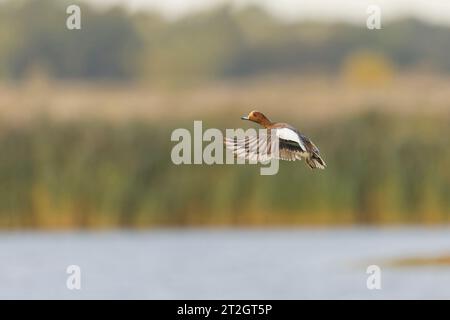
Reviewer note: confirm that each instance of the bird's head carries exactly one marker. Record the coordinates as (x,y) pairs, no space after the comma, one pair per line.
(257,117)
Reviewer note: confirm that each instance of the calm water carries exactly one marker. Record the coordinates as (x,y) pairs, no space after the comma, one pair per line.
(225,264)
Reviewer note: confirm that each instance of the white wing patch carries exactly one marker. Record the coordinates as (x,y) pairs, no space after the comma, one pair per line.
(289,134)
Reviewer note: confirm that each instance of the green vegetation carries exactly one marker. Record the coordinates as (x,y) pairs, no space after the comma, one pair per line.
(382,169)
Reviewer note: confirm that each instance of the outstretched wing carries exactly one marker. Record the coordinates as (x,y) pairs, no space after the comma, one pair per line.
(254,148)
(281,144)
(291,145)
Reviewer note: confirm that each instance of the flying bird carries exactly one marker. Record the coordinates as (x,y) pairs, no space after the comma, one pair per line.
(292,145)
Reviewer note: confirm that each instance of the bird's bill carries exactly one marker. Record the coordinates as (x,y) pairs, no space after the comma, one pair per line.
(245,118)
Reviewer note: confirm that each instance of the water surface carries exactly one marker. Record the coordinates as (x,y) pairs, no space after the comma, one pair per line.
(223,264)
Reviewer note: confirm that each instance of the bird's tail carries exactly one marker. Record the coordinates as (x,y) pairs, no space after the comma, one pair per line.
(316,162)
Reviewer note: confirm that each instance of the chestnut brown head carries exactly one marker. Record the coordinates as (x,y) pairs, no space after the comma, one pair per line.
(257,117)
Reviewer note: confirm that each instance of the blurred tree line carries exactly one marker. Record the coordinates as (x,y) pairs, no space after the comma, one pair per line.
(118,45)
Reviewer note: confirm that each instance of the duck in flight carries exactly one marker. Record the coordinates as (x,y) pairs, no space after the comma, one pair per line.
(292,145)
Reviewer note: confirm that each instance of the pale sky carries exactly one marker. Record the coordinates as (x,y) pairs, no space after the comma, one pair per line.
(437,11)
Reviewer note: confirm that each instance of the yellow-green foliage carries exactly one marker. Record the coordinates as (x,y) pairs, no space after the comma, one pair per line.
(368,69)
(381,169)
